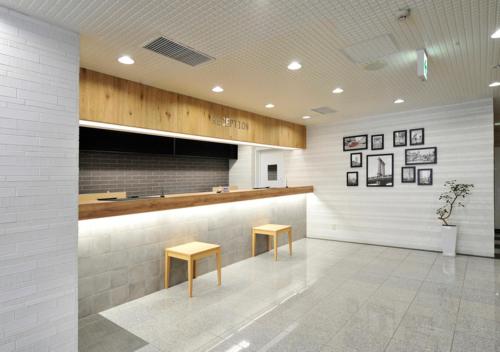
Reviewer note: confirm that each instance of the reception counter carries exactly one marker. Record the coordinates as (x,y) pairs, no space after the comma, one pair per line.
(100,209)
(121,243)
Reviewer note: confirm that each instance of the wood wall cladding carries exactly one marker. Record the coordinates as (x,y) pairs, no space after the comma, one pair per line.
(109,99)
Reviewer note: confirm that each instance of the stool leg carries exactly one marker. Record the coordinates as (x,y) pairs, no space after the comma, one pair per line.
(190,277)
(290,241)
(167,269)
(194,269)
(276,247)
(219,269)
(253,244)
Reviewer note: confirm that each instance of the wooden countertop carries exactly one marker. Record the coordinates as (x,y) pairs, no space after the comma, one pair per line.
(101,209)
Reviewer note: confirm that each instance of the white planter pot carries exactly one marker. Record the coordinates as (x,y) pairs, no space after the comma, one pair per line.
(449,240)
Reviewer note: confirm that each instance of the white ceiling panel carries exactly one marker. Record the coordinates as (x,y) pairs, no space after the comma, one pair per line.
(253,41)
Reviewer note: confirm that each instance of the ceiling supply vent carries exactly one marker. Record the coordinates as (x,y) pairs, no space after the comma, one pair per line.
(324,110)
(178,52)
(372,50)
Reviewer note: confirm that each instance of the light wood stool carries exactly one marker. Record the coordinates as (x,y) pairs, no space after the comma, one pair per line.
(272,230)
(191,252)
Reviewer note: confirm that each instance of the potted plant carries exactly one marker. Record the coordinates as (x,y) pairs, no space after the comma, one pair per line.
(453,197)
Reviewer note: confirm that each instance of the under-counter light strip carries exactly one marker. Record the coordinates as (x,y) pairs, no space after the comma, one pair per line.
(121,128)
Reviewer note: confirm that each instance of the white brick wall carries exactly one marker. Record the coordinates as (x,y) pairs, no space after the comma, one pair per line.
(242,170)
(38,185)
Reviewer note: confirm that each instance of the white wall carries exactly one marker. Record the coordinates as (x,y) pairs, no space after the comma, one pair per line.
(403,215)
(38,185)
(497,187)
(242,170)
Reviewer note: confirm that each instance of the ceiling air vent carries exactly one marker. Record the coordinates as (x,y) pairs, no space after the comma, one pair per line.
(324,110)
(178,52)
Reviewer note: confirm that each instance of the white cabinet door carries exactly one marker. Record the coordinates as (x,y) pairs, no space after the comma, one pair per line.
(271,168)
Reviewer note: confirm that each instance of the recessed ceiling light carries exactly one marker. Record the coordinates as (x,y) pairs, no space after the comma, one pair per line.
(494,84)
(217,89)
(294,66)
(337,90)
(399,101)
(496,35)
(126,60)
(307,117)
(270,106)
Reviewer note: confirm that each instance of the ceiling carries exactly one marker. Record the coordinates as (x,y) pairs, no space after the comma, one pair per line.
(254,40)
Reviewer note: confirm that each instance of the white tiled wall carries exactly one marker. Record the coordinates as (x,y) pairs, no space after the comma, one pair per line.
(242,170)
(38,185)
(403,215)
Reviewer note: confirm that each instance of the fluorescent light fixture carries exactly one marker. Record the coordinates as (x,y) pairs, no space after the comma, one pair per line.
(399,101)
(496,35)
(294,66)
(217,89)
(494,84)
(307,117)
(337,90)
(270,105)
(112,127)
(126,60)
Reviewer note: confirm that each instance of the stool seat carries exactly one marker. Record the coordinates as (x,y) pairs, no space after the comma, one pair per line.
(272,230)
(191,252)
(192,248)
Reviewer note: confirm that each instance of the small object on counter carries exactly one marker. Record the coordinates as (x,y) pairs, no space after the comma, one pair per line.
(225,189)
(218,189)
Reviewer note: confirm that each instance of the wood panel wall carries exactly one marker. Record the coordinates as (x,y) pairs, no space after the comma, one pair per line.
(109,99)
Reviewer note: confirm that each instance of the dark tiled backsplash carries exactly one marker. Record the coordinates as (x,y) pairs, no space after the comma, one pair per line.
(147,174)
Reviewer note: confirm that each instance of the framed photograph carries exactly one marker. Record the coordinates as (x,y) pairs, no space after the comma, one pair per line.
(356,142)
(425,177)
(417,136)
(399,139)
(408,174)
(380,170)
(352,179)
(419,156)
(377,141)
(356,159)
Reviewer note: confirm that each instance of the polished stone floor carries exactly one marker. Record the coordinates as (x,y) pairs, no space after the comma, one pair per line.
(329,296)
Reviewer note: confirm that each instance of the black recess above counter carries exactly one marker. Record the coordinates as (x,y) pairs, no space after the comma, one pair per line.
(106,140)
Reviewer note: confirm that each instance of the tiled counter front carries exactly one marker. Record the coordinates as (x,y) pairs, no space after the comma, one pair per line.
(121,258)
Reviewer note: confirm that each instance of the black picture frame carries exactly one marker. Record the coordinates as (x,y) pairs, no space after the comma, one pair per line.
(417,142)
(410,160)
(363,146)
(360,160)
(413,178)
(373,144)
(380,180)
(420,181)
(348,184)
(399,144)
